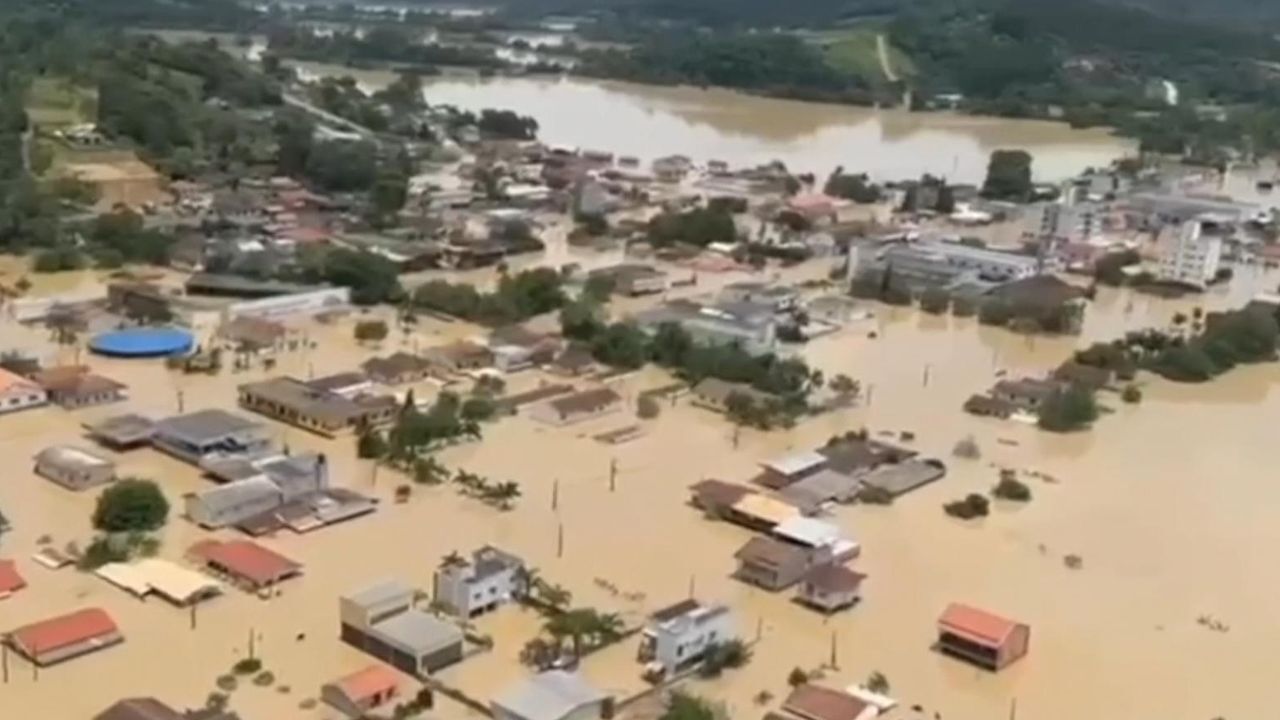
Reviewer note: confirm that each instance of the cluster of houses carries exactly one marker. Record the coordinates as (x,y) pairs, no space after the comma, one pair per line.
(1022,398)
(25,385)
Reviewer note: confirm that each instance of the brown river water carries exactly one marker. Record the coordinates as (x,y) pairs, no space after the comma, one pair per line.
(1168,503)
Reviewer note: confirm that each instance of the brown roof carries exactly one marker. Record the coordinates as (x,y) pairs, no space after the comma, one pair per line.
(10,579)
(585,401)
(395,365)
(975,624)
(835,578)
(718,493)
(814,702)
(768,551)
(139,709)
(64,630)
(252,330)
(246,559)
(367,683)
(74,379)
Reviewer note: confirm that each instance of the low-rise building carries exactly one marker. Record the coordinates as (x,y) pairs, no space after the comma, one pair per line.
(677,637)
(244,563)
(459,357)
(383,621)
(632,279)
(750,326)
(74,386)
(361,692)
(901,478)
(776,565)
(578,407)
(783,471)
(147,708)
(203,434)
(231,503)
(830,588)
(467,588)
(780,298)
(814,702)
(1026,394)
(19,393)
(73,468)
(814,534)
(66,636)
(980,637)
(311,406)
(552,695)
(254,334)
(713,394)
(397,369)
(123,432)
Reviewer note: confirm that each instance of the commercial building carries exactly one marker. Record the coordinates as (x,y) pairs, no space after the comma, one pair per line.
(259,489)
(205,434)
(980,637)
(577,407)
(362,692)
(467,588)
(65,636)
(73,468)
(552,695)
(1191,254)
(19,393)
(679,636)
(384,622)
(310,406)
(750,326)
(918,265)
(302,303)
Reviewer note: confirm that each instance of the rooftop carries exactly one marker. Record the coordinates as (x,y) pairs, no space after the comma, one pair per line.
(768,509)
(813,702)
(206,425)
(768,551)
(64,630)
(10,579)
(124,429)
(383,592)
(418,633)
(367,683)
(552,695)
(75,379)
(585,401)
(246,559)
(72,457)
(835,578)
(795,463)
(139,709)
(10,381)
(978,625)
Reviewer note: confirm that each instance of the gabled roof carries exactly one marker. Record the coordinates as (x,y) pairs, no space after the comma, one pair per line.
(370,682)
(551,695)
(10,579)
(835,578)
(143,708)
(774,553)
(813,702)
(65,630)
(978,625)
(246,559)
(10,382)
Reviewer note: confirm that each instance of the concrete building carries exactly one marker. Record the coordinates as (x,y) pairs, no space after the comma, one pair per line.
(933,263)
(358,694)
(778,297)
(19,393)
(66,636)
(311,406)
(384,622)
(399,368)
(830,588)
(1191,254)
(1065,222)
(73,468)
(552,695)
(776,565)
(982,638)
(750,326)
(256,487)
(203,434)
(678,636)
(229,504)
(467,588)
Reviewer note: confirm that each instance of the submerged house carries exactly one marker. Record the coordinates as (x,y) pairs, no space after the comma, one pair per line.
(985,639)
(73,468)
(677,637)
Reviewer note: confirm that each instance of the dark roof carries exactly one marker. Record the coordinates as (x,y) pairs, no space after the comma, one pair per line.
(309,401)
(1040,290)
(1030,388)
(206,425)
(337,381)
(987,405)
(139,709)
(835,578)
(236,285)
(1089,376)
(585,401)
(680,609)
(768,551)
(395,365)
(518,335)
(75,380)
(852,455)
(718,493)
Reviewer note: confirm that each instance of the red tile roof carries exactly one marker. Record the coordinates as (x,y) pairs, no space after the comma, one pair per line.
(64,630)
(814,702)
(246,559)
(977,625)
(10,580)
(364,684)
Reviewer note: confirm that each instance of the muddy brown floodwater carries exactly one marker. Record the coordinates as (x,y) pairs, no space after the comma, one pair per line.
(1170,504)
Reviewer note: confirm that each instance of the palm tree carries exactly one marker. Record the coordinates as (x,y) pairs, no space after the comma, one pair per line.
(609,627)
(555,596)
(429,471)
(503,494)
(575,625)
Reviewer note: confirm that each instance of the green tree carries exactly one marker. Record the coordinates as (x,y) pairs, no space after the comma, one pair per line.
(647,408)
(371,330)
(683,706)
(1132,394)
(581,320)
(1008,176)
(621,345)
(1011,488)
(130,505)
(1069,409)
(371,445)
(935,300)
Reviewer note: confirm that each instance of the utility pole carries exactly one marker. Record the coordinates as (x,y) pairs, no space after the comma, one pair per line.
(555,495)
(1013,709)
(251,644)
(181,401)
(560,540)
(4,662)
(835,660)
(693,584)
(926,374)
(613,475)
(759,628)
(871,392)
(193,615)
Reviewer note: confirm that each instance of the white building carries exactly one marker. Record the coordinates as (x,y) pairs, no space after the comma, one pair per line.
(1191,254)
(19,393)
(1074,222)
(679,636)
(490,579)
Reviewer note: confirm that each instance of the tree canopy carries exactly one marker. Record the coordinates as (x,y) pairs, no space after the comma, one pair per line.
(131,505)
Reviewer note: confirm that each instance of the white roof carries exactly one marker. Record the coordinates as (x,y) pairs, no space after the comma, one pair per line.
(795,463)
(807,531)
(552,695)
(160,576)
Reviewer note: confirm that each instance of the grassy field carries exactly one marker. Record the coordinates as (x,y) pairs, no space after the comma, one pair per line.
(56,102)
(854,51)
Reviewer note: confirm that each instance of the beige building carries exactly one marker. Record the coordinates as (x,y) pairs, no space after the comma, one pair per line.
(73,468)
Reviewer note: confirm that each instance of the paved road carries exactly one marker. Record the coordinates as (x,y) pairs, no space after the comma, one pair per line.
(328,117)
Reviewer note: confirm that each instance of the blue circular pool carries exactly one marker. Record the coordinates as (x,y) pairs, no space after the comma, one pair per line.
(142,342)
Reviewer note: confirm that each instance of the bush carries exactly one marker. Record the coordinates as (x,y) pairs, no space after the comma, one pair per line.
(57,260)
(371,445)
(729,654)
(247,666)
(478,408)
(266,678)
(103,550)
(971,506)
(1011,488)
(967,448)
(935,301)
(1068,410)
(131,505)
(371,331)
(647,408)
(227,682)
(873,495)
(797,677)
(995,312)
(1131,394)
(963,307)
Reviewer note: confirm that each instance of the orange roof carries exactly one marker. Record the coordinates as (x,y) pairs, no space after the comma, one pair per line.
(9,381)
(57,633)
(977,625)
(246,559)
(369,682)
(10,580)
(814,702)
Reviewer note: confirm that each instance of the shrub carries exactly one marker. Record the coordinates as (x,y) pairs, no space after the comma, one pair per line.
(371,445)
(995,312)
(963,307)
(873,495)
(247,666)
(647,408)
(935,301)
(1132,394)
(967,448)
(227,682)
(1068,410)
(797,677)
(371,331)
(878,683)
(729,654)
(131,505)
(1011,488)
(971,506)
(266,678)
(216,700)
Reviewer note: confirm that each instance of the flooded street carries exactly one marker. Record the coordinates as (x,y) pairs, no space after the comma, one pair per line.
(1167,503)
(650,122)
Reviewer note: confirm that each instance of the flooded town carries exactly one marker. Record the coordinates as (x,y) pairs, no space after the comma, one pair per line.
(595,399)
